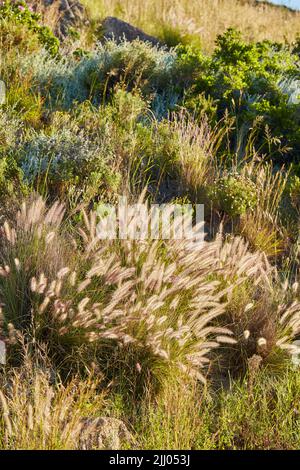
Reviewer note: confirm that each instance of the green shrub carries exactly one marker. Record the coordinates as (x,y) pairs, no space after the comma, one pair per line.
(63,159)
(11,177)
(249,80)
(233,194)
(9,127)
(95,75)
(26,104)
(19,13)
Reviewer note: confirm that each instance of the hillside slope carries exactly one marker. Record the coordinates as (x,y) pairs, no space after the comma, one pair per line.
(202,18)
(114,320)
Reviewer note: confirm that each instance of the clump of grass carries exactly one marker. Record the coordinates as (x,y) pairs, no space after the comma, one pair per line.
(38,412)
(198,146)
(30,246)
(259,312)
(262,226)
(259,414)
(120,294)
(175,419)
(122,304)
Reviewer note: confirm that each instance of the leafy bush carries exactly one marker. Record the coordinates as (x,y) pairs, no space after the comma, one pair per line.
(95,75)
(64,158)
(234,194)
(19,13)
(11,177)
(247,79)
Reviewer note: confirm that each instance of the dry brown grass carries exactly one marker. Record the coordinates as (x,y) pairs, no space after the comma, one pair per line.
(206,18)
(262,227)
(38,412)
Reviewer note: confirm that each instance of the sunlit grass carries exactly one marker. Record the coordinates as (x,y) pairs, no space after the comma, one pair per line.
(201,18)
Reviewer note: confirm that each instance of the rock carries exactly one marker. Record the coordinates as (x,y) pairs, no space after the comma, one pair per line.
(103,433)
(70,14)
(113,28)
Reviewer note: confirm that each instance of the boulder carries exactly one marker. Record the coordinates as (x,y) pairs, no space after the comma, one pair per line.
(113,28)
(103,433)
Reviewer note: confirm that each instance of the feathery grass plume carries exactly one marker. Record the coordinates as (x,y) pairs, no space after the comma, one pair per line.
(165,308)
(198,144)
(183,153)
(31,244)
(158,304)
(250,304)
(235,263)
(289,317)
(38,415)
(120,294)
(261,226)
(263,321)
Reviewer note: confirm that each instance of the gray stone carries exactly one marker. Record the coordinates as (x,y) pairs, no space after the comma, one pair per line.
(113,28)
(103,433)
